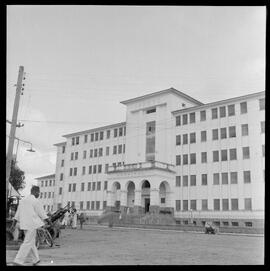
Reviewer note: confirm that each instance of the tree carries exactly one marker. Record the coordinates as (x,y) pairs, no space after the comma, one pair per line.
(16,176)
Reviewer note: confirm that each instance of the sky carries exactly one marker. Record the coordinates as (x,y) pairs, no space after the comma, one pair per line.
(81,61)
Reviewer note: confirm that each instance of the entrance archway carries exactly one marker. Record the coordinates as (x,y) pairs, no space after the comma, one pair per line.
(130,194)
(164,194)
(146,195)
(116,193)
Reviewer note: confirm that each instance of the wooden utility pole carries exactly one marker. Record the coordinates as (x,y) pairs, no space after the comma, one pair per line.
(13,129)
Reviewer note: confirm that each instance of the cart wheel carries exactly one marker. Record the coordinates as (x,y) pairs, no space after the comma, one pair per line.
(48,238)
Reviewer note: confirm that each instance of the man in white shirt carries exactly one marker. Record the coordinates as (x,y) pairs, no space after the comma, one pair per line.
(30,214)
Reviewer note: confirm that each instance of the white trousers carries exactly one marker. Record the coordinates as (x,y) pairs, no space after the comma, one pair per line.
(28,247)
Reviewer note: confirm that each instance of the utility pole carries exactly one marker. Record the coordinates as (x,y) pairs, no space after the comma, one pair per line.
(13,129)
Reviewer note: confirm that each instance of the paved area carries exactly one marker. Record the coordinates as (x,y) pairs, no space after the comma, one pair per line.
(100,245)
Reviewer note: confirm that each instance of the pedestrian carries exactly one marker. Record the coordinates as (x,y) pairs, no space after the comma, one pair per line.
(81,219)
(65,219)
(31,215)
(74,219)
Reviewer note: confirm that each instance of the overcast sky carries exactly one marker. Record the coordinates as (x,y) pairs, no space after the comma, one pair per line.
(81,61)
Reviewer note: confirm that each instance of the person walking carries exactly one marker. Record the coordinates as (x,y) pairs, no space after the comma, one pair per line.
(74,220)
(81,219)
(31,215)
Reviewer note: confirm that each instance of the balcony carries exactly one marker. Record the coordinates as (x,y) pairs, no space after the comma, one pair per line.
(141,166)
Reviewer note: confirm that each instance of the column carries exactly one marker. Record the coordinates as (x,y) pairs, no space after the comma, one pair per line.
(137,202)
(154,200)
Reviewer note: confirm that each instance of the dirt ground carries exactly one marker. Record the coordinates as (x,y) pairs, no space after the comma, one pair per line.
(100,245)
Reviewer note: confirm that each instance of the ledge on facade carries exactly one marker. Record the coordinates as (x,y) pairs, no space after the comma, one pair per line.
(141,166)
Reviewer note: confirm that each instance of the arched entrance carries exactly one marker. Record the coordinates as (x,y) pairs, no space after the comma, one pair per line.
(165,196)
(130,194)
(146,196)
(116,193)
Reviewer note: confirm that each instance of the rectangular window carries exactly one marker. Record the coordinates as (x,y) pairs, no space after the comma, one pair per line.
(124,148)
(185,205)
(222,112)
(216,178)
(74,187)
(178,181)
(114,149)
(101,134)
(245,151)
(204,179)
(215,156)
(83,170)
(70,172)
(224,155)
(234,204)
(84,154)
(96,136)
(243,107)
(204,204)
(231,110)
(108,134)
(244,129)
(185,119)
(232,131)
(233,154)
(105,185)
(178,205)
(115,132)
(247,178)
(106,168)
(224,177)
(185,139)
(193,205)
(262,127)
(178,140)
(193,158)
(99,168)
(88,205)
(121,131)
(93,186)
(203,136)
(69,187)
(185,159)
(73,141)
(94,169)
(192,138)
(192,117)
(90,170)
(204,157)
(77,140)
(248,205)
(262,104)
(75,171)
(185,180)
(91,153)
(85,138)
(63,149)
(214,113)
(92,205)
(225,204)
(98,185)
(92,137)
(107,151)
(178,121)
(62,163)
(76,155)
(216,204)
(60,190)
(214,134)
(100,152)
(89,187)
(72,156)
(152,110)
(192,180)
(119,148)
(81,205)
(178,160)
(234,178)
(61,177)
(82,186)
(223,133)
(203,115)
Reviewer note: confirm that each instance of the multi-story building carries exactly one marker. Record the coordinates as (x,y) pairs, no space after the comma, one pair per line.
(173,153)
(47,187)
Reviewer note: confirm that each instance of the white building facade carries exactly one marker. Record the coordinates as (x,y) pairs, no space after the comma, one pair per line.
(173,154)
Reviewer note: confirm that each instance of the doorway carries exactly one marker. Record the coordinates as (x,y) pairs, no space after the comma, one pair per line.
(146,204)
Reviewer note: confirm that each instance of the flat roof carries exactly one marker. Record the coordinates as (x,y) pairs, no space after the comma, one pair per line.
(231,100)
(169,90)
(46,177)
(95,129)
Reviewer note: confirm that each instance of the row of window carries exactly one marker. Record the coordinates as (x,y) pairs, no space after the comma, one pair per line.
(217,223)
(44,195)
(91,186)
(117,132)
(188,205)
(89,205)
(214,111)
(225,155)
(224,177)
(48,208)
(216,134)
(48,183)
